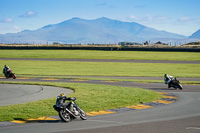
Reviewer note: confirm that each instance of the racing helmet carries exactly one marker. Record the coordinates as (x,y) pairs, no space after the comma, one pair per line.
(62,94)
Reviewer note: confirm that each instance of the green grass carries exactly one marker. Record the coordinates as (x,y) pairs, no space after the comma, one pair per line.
(24,68)
(92,54)
(90,98)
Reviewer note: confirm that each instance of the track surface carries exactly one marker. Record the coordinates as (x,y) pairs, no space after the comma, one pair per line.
(182,116)
(15,94)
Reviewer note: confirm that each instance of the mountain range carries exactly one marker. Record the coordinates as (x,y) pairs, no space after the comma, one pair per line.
(99,31)
(195,35)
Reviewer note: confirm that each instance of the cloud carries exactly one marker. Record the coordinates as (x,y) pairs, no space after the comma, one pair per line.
(6,20)
(184,19)
(104,4)
(15,27)
(28,14)
(148,19)
(162,18)
(132,18)
(155,19)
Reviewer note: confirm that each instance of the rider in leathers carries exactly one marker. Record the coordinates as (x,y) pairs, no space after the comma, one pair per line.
(168,78)
(62,98)
(6,71)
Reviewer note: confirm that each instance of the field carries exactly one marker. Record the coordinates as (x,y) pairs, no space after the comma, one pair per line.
(92,97)
(59,68)
(93,54)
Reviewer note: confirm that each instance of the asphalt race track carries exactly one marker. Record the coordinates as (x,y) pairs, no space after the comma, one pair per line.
(15,94)
(181,116)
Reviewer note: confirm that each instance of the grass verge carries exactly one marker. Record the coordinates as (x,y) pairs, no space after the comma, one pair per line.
(93,54)
(90,98)
(101,68)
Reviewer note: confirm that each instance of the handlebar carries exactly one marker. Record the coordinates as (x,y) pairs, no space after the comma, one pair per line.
(73,99)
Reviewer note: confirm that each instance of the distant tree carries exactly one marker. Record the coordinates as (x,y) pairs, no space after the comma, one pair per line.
(146,43)
(56,43)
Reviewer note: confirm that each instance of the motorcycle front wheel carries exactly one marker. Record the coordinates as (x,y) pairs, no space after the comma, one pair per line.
(14,77)
(64,116)
(83,115)
(179,86)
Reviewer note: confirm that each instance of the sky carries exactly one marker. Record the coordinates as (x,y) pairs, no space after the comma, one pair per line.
(176,16)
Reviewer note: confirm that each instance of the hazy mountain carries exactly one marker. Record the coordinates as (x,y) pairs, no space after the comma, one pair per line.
(101,30)
(196,35)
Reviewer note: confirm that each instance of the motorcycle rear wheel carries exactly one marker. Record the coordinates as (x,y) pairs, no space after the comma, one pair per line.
(64,116)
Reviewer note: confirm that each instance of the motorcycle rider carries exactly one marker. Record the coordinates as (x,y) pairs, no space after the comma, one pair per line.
(168,78)
(6,71)
(68,110)
(62,98)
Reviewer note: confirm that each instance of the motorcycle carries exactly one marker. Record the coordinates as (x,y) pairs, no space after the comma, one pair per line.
(10,74)
(69,111)
(175,83)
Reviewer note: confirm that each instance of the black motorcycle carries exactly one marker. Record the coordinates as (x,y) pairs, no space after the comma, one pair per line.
(10,74)
(69,111)
(175,83)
